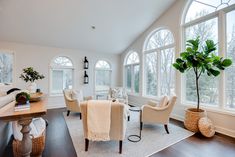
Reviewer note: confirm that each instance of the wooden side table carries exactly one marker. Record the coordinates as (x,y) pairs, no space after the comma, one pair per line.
(24,118)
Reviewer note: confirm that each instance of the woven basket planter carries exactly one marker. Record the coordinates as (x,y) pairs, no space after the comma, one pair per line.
(192,117)
(38,145)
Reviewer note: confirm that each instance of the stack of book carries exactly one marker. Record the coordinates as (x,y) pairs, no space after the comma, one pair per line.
(22,107)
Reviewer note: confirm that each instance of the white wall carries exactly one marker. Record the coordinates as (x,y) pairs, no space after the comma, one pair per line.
(39,57)
(171,20)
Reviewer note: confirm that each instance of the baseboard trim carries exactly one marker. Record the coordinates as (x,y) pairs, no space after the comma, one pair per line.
(218,129)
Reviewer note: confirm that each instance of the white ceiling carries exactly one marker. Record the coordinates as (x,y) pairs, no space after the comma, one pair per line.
(67,23)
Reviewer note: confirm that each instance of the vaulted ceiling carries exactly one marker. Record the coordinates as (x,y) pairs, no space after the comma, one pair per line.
(69,23)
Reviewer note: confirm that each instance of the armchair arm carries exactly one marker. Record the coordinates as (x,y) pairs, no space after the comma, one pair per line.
(88,98)
(155,108)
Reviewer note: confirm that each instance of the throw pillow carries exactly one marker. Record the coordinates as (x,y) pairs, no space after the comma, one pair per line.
(77,94)
(164,101)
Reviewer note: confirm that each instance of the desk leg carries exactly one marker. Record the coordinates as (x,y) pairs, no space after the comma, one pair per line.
(26,143)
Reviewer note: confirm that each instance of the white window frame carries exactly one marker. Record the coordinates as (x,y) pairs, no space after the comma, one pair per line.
(59,68)
(132,65)
(222,49)
(158,51)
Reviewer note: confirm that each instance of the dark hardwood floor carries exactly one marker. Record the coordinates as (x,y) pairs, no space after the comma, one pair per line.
(59,143)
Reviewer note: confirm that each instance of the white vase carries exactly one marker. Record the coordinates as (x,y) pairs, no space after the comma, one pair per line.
(32,87)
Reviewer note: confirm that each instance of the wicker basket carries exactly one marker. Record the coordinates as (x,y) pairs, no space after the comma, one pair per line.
(192,117)
(38,145)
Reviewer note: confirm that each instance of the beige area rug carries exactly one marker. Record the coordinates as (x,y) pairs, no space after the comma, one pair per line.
(154,139)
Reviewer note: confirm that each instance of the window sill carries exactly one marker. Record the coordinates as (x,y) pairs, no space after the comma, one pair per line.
(133,94)
(56,95)
(212,109)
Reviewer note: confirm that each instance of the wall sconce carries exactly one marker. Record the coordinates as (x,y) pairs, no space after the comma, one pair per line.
(86,63)
(86,78)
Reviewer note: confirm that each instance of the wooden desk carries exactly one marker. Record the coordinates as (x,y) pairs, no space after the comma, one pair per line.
(24,118)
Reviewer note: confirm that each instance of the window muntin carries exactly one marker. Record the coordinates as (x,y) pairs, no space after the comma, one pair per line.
(199,8)
(132,72)
(159,56)
(6,67)
(102,77)
(61,75)
(230,72)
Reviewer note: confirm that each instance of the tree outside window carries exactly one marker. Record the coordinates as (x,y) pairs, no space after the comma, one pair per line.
(6,67)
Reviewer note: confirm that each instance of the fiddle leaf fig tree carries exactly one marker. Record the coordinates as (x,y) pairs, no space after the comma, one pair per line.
(201,60)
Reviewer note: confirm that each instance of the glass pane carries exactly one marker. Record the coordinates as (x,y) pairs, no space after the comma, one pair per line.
(151,74)
(199,8)
(208,88)
(136,78)
(128,78)
(167,72)
(62,62)
(160,38)
(208,85)
(102,65)
(6,68)
(133,58)
(61,79)
(57,81)
(230,72)
(103,78)
(205,30)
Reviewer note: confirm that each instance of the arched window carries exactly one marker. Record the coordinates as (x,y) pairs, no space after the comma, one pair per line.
(158,58)
(211,19)
(132,72)
(61,74)
(103,73)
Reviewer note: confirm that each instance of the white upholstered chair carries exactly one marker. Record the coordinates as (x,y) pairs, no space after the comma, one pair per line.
(120,94)
(158,113)
(117,127)
(73,100)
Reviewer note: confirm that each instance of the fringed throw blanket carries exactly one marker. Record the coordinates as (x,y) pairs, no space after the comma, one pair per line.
(98,119)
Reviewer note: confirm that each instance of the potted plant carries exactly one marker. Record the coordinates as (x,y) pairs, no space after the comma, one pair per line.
(30,75)
(200,59)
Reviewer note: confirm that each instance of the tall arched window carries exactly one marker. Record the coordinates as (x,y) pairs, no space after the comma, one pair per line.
(132,72)
(103,73)
(158,58)
(61,74)
(211,19)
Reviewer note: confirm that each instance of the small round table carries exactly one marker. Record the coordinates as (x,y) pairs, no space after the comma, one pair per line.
(135,138)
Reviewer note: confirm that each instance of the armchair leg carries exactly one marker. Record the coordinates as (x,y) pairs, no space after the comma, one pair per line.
(141,125)
(68,112)
(80,116)
(120,147)
(86,144)
(128,118)
(166,128)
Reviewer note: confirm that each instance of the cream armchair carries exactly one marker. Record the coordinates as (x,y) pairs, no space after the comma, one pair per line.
(117,127)
(120,94)
(73,102)
(158,113)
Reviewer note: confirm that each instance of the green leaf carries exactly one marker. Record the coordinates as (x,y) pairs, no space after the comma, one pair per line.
(227,62)
(214,72)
